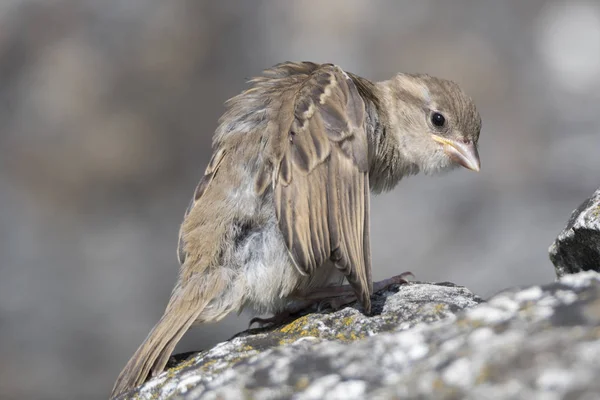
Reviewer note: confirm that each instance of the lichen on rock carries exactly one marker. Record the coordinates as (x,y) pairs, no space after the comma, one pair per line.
(399,308)
(424,341)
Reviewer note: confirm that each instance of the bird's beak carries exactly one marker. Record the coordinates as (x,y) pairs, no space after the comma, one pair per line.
(465,154)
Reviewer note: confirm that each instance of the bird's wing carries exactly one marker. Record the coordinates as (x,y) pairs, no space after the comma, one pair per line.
(209,174)
(321,180)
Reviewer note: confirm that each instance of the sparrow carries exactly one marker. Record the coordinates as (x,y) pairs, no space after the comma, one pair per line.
(281,215)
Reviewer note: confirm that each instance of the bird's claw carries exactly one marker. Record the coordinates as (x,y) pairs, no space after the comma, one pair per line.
(276,319)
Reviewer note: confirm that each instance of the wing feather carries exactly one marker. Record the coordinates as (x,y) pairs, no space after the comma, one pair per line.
(209,174)
(321,188)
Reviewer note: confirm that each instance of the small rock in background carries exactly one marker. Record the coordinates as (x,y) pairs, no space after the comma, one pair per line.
(577,247)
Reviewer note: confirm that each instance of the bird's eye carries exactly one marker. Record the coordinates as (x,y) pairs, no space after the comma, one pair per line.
(438,119)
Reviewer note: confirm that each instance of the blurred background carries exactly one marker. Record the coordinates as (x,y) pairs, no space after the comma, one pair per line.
(106,117)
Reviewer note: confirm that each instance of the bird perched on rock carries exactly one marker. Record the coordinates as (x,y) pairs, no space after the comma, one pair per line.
(281,215)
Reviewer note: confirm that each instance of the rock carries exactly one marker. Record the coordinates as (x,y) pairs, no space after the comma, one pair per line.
(399,308)
(427,341)
(577,247)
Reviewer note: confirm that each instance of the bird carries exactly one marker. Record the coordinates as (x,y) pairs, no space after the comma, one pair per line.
(281,215)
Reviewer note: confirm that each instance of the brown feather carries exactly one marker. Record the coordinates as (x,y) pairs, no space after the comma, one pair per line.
(209,174)
(184,308)
(321,193)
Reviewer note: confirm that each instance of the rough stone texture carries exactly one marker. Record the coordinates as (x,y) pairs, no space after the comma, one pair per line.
(429,341)
(577,248)
(399,308)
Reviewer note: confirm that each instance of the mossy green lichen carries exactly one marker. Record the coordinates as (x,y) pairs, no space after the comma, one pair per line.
(596,211)
(302,383)
(184,364)
(295,326)
(440,308)
(207,365)
(483,375)
(297,329)
(349,337)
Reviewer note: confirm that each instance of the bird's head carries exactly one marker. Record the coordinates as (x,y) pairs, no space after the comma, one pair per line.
(435,124)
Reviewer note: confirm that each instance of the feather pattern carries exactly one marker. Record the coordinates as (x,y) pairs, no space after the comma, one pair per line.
(322,187)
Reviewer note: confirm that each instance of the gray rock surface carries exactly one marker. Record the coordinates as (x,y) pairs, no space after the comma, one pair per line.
(577,247)
(426,341)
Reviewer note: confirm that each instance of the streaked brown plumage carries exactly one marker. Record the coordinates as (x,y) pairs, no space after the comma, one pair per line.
(283,207)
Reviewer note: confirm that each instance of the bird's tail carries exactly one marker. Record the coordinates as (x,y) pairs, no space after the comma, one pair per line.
(153,354)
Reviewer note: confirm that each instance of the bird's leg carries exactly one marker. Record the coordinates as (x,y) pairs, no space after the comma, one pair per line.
(334,296)
(338,296)
(346,290)
(275,320)
(283,316)
(394,280)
